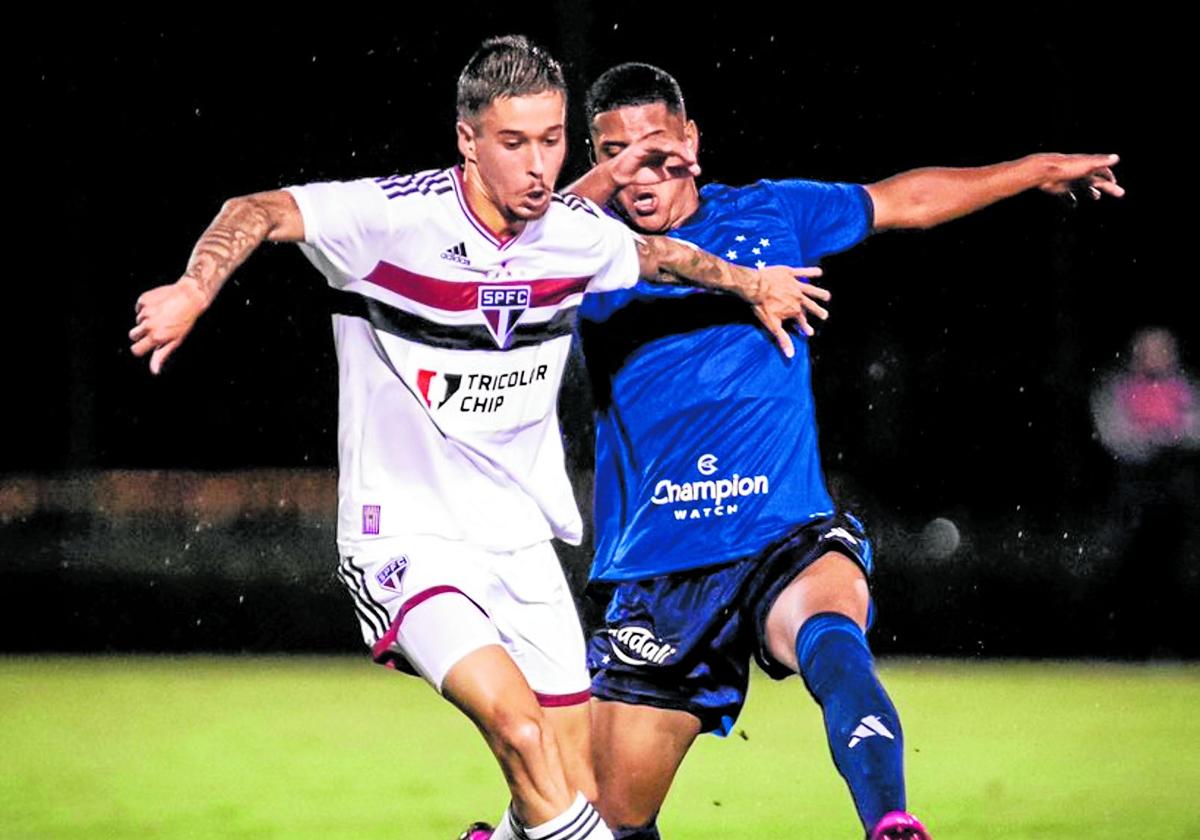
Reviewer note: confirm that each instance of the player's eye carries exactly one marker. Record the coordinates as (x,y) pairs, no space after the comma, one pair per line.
(512,144)
(552,140)
(612,149)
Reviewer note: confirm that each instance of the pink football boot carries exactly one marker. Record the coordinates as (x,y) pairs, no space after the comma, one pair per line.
(899,825)
(477,831)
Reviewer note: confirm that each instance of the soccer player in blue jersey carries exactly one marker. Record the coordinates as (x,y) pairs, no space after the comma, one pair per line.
(716,535)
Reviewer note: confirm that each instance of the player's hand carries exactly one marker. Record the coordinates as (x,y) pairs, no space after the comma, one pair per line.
(164,318)
(1073,175)
(782,296)
(653,159)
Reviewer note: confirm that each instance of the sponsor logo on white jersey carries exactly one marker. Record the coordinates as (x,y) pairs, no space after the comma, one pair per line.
(474,393)
(502,307)
(635,645)
(869,727)
(708,497)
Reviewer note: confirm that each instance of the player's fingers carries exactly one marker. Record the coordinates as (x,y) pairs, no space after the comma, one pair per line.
(806,271)
(676,149)
(143,346)
(1097,161)
(1094,193)
(776,328)
(160,356)
(805,327)
(818,292)
(783,340)
(815,308)
(137,333)
(1109,188)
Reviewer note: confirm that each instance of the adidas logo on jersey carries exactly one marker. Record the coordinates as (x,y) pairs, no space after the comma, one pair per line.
(869,727)
(457,253)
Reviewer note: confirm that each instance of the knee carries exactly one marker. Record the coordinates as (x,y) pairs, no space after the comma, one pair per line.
(517,737)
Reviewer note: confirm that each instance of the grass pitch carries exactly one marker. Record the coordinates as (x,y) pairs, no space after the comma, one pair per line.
(336,748)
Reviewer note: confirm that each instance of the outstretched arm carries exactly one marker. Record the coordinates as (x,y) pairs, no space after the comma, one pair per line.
(774,292)
(922,198)
(165,315)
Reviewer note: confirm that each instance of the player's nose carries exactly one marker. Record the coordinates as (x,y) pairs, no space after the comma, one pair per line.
(537,161)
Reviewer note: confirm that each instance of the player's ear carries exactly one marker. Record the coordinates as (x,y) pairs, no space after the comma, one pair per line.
(691,133)
(591,146)
(466,140)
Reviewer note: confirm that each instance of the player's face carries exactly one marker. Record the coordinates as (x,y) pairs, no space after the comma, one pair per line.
(518,147)
(652,208)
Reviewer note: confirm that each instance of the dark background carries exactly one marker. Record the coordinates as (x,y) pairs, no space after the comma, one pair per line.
(953,379)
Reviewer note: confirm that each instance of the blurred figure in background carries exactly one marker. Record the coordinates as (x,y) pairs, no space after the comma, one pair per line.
(1148,417)
(1151,410)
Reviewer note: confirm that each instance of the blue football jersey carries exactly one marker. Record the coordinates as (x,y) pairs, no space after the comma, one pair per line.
(706,435)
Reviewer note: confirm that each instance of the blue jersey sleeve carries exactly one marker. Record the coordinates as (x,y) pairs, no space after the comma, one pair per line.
(827,218)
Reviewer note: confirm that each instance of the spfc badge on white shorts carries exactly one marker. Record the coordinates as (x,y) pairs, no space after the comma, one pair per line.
(389,576)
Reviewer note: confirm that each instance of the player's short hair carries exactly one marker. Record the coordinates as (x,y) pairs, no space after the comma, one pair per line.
(633,83)
(510,65)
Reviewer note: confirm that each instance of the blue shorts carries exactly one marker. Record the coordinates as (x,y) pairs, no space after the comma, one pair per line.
(684,641)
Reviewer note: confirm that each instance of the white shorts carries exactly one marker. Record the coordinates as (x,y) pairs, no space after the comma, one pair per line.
(424,610)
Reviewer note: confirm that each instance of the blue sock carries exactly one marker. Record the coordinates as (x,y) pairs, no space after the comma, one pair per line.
(861,722)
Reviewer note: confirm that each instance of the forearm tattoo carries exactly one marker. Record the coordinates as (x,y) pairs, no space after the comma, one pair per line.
(239,228)
(676,262)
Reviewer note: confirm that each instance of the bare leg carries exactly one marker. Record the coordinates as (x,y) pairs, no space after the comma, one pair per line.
(637,751)
(834,583)
(488,687)
(572,727)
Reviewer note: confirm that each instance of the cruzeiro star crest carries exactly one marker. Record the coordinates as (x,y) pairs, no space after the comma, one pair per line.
(746,246)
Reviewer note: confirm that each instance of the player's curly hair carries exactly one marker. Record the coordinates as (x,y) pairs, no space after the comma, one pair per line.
(510,65)
(633,83)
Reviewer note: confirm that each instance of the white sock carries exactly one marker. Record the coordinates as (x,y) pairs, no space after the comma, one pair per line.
(579,822)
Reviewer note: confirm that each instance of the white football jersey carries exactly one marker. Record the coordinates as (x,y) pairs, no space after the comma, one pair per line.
(451,346)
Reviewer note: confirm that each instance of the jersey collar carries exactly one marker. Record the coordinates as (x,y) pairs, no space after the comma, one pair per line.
(460,192)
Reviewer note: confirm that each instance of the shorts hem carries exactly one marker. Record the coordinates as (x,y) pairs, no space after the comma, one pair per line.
(554,701)
(711,720)
(381,647)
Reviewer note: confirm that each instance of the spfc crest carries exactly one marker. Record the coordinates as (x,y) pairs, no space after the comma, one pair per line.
(502,307)
(389,576)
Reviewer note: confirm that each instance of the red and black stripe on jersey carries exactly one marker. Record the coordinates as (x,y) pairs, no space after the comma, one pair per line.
(434,295)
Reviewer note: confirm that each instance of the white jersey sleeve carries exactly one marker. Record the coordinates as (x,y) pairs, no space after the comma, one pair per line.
(619,244)
(348,223)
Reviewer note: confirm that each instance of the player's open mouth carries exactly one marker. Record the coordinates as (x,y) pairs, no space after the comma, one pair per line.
(644,204)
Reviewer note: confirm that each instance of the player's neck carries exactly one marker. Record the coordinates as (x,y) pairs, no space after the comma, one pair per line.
(687,205)
(485,207)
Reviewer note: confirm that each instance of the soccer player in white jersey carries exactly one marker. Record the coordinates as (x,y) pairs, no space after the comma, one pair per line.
(456,292)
